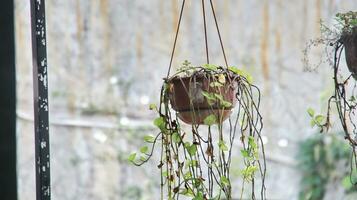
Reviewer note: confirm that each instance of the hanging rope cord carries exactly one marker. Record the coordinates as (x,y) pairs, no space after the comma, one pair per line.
(219,33)
(205,33)
(205,29)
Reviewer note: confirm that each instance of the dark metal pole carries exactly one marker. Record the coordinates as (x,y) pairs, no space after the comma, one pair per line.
(8,177)
(40,94)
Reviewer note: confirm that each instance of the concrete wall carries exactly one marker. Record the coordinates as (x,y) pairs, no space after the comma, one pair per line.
(107,59)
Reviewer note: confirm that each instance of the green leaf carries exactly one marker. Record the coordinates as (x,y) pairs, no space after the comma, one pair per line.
(222,145)
(152,107)
(221,78)
(248,172)
(226,104)
(160,123)
(252,143)
(218,96)
(210,120)
(245,153)
(149,138)
(209,96)
(311,112)
(192,149)
(234,70)
(211,99)
(165,174)
(312,123)
(144,149)
(186,63)
(210,67)
(187,192)
(191,163)
(176,138)
(187,144)
(249,78)
(187,175)
(132,157)
(224,181)
(319,119)
(143,158)
(241,73)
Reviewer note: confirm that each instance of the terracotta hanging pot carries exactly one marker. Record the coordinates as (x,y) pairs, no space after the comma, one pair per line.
(349,41)
(186,97)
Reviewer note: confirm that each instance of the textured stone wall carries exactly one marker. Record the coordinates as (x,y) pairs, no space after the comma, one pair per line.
(107,59)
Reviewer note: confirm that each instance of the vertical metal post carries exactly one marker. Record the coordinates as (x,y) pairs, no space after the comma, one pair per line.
(40,94)
(8,175)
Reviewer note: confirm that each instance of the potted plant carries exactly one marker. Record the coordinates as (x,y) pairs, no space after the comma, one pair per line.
(195,156)
(197,92)
(348,39)
(341,36)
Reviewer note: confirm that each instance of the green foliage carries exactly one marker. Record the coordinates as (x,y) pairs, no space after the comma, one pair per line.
(213,98)
(187,68)
(152,107)
(149,138)
(187,155)
(144,149)
(222,145)
(224,181)
(249,172)
(210,67)
(250,154)
(311,112)
(317,120)
(347,20)
(131,157)
(191,148)
(331,35)
(317,160)
(210,120)
(241,73)
(226,104)
(187,192)
(221,78)
(161,124)
(176,138)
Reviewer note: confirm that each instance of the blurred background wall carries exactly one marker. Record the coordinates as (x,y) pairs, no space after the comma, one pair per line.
(106,62)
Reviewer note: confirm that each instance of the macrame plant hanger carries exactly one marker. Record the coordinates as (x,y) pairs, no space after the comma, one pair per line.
(205,34)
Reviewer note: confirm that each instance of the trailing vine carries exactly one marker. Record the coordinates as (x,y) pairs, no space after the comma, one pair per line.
(195,160)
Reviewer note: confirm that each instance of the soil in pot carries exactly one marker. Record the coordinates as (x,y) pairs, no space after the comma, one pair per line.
(349,41)
(187,98)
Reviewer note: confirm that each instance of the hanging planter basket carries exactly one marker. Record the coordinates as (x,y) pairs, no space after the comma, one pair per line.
(339,38)
(188,97)
(349,40)
(204,96)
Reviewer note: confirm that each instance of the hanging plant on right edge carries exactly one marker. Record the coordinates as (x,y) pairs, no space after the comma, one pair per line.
(339,38)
